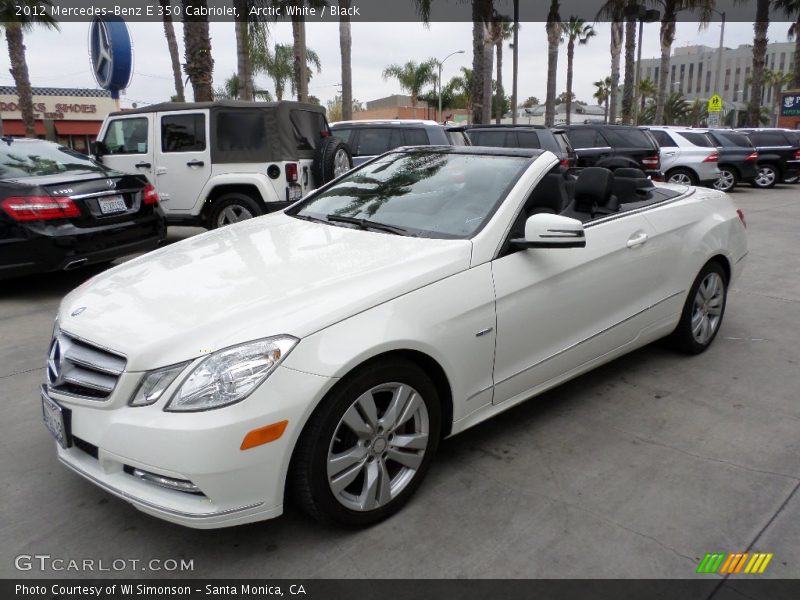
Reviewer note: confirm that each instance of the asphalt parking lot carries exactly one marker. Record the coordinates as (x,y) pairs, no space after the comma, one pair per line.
(635,470)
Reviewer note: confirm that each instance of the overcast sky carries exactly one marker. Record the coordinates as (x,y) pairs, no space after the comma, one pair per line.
(60,59)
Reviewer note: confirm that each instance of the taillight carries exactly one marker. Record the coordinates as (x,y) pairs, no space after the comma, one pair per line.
(149,194)
(291,172)
(39,208)
(325,134)
(713,157)
(651,162)
(752,156)
(564,162)
(797,154)
(741,217)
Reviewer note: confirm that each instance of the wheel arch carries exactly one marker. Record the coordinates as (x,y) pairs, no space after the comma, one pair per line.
(681,168)
(219,190)
(723,262)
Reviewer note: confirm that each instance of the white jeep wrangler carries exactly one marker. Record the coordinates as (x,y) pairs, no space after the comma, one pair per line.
(215,163)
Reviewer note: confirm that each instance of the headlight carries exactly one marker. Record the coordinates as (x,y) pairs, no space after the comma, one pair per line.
(230,375)
(154,384)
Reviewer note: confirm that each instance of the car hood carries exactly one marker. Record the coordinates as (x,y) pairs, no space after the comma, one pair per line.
(267,276)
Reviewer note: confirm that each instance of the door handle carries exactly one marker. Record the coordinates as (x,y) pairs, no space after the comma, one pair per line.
(195,163)
(637,239)
(669,153)
(143,165)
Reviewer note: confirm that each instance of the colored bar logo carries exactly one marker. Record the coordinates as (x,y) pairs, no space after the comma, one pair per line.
(738,562)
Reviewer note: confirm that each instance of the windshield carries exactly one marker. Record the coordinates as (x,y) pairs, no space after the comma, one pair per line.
(35,159)
(427,194)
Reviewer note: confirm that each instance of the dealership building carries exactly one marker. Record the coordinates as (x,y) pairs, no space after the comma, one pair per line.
(70,116)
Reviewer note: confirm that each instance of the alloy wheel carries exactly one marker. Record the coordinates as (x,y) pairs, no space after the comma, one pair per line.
(341,163)
(766,177)
(707,308)
(233,214)
(680,178)
(726,181)
(378,446)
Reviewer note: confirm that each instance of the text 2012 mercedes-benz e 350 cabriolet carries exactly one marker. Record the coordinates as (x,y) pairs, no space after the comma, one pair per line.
(326,350)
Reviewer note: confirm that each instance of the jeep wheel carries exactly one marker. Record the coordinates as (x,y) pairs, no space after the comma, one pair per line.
(331,160)
(232,208)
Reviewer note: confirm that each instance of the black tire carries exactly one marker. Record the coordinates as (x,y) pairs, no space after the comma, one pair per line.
(682,173)
(729,177)
(683,338)
(309,470)
(329,160)
(231,208)
(768,175)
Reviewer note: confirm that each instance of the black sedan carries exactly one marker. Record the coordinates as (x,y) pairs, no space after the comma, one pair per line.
(738,158)
(61,210)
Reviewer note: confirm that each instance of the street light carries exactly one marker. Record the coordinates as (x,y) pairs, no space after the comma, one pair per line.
(643,15)
(440,63)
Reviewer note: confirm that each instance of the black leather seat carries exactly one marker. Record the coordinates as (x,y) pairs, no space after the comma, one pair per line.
(593,195)
(549,195)
(631,185)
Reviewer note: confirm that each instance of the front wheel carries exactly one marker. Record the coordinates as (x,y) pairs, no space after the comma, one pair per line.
(367,448)
(702,314)
(767,177)
(727,179)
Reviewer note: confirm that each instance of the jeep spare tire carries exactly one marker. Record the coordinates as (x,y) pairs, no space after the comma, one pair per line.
(333,158)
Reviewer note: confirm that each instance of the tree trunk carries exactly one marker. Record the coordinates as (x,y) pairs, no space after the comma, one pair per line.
(616,50)
(760,26)
(570,58)
(553,29)
(300,59)
(19,71)
(480,16)
(796,74)
(488,69)
(243,67)
(500,95)
(346,45)
(628,91)
(197,51)
(667,37)
(172,45)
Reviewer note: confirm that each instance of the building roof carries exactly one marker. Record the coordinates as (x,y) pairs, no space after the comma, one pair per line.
(54,91)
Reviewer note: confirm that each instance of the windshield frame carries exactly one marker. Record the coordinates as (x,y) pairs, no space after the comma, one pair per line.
(525,161)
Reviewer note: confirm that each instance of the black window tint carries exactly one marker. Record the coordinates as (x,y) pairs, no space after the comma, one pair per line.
(698,139)
(342,134)
(585,137)
(730,138)
(627,138)
(496,139)
(377,140)
(457,138)
(769,138)
(528,139)
(663,138)
(563,142)
(240,133)
(183,133)
(416,137)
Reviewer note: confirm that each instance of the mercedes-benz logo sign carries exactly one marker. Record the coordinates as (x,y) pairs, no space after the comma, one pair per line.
(54,362)
(102,54)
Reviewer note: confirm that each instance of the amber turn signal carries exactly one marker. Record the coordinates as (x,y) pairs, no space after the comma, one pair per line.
(263,435)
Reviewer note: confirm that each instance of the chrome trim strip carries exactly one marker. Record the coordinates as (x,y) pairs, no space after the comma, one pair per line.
(591,337)
(636,211)
(128,497)
(104,193)
(95,344)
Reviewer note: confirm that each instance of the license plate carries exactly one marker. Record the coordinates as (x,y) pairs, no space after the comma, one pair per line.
(114,204)
(56,420)
(295,193)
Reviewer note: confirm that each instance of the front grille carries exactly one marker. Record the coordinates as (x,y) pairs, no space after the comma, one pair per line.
(78,368)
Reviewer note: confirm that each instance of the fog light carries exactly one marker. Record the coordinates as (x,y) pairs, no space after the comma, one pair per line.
(179,485)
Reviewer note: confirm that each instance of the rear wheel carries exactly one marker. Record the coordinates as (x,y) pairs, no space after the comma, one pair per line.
(767,176)
(367,448)
(728,179)
(231,208)
(682,177)
(702,314)
(331,160)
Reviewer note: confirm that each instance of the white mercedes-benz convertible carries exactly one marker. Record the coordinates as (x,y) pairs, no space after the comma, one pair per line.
(326,350)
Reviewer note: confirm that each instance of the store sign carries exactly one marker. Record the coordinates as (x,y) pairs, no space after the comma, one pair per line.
(111,54)
(73,108)
(790,105)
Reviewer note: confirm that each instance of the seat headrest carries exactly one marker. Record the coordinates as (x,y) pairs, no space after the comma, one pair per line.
(593,188)
(550,194)
(630,172)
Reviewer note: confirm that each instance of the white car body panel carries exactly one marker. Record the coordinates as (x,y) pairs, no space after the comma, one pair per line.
(499,328)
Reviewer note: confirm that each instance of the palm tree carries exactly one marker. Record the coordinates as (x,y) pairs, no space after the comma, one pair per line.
(647,89)
(199,65)
(629,83)
(482,58)
(791,9)
(760,26)
(502,31)
(669,12)
(15,26)
(172,45)
(244,71)
(574,30)
(279,66)
(300,59)
(345,47)
(412,77)
(602,94)
(613,10)
(461,87)
(777,80)
(553,39)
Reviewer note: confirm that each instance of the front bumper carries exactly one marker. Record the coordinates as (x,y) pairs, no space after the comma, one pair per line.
(111,439)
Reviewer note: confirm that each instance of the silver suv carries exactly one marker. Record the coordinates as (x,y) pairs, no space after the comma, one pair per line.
(688,156)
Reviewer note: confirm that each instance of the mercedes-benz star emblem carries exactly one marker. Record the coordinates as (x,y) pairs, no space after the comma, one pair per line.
(54,362)
(110,183)
(102,58)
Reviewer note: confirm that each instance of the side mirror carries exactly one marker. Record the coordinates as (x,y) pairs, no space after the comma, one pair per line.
(98,149)
(551,231)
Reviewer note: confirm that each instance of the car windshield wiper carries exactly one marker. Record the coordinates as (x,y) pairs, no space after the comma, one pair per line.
(308,218)
(367,224)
